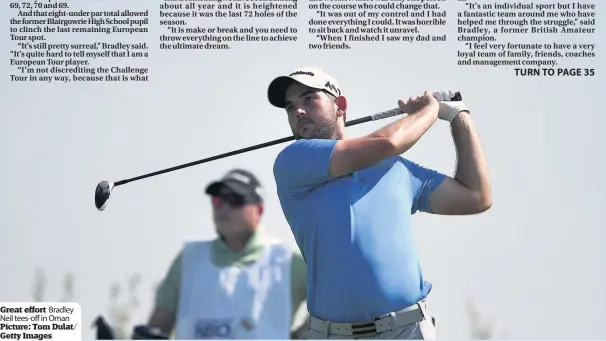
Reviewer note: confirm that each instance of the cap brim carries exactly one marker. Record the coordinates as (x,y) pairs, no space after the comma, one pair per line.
(276,92)
(215,187)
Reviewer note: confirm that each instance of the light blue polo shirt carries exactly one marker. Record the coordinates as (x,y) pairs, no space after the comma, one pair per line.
(354,231)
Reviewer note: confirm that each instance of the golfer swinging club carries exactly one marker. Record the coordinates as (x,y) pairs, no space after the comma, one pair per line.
(242,285)
(349,203)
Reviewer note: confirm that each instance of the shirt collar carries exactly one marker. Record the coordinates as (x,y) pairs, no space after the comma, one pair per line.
(254,244)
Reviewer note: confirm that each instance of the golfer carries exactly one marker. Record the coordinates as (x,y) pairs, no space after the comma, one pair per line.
(349,203)
(241,285)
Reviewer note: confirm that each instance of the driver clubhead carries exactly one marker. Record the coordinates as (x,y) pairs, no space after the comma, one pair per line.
(102,193)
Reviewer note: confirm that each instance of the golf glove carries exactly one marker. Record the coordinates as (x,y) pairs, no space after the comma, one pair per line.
(448,110)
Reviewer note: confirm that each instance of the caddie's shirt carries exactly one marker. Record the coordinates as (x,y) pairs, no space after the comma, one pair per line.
(169,291)
(354,231)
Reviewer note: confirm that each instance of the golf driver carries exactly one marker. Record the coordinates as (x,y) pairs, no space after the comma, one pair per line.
(104,188)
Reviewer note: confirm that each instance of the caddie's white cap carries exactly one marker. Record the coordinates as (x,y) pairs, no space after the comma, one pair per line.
(312,77)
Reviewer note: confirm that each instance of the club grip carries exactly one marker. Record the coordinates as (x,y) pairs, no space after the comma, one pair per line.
(386,114)
(444,95)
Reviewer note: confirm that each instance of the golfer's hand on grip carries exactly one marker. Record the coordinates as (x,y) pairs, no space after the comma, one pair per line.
(448,109)
(351,155)
(426,102)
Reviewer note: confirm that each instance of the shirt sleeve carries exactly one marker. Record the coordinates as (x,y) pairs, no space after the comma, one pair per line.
(303,165)
(423,182)
(167,294)
(298,280)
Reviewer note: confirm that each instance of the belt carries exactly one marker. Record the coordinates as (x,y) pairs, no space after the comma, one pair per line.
(413,314)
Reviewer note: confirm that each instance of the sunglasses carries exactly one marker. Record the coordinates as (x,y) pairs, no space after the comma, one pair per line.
(232,199)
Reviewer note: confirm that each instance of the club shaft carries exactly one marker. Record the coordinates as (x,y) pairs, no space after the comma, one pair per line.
(212,158)
(378,116)
(228,154)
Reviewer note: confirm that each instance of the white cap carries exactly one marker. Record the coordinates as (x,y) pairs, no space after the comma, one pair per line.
(312,77)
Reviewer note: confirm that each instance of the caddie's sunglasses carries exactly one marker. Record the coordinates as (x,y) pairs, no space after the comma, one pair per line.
(233,199)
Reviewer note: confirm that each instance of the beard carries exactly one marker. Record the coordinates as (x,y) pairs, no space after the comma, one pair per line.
(327,128)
